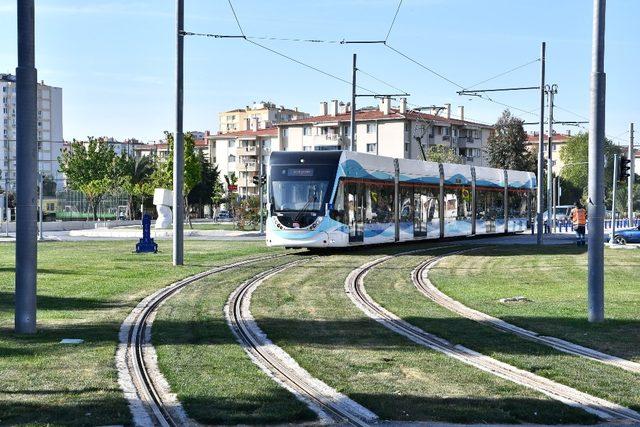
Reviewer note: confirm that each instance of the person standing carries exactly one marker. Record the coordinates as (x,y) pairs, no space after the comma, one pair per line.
(579,219)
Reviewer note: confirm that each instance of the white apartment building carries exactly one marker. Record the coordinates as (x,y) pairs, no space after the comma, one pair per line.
(242,153)
(50,139)
(386,131)
(260,115)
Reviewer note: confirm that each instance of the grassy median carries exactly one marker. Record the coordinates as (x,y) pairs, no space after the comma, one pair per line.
(213,377)
(305,311)
(85,290)
(390,285)
(554,279)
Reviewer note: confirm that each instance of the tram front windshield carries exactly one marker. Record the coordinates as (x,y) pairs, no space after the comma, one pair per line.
(300,188)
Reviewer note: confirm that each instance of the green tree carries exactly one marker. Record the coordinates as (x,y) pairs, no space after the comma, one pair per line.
(203,192)
(506,147)
(136,179)
(575,156)
(443,154)
(91,168)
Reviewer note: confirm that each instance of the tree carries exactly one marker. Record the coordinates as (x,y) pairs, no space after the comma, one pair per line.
(49,186)
(506,147)
(135,179)
(203,192)
(443,154)
(91,168)
(575,156)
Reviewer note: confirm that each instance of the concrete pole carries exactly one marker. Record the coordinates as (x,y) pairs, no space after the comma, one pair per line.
(27,171)
(551,91)
(178,144)
(260,188)
(631,179)
(41,188)
(595,276)
(7,213)
(540,149)
(613,197)
(352,123)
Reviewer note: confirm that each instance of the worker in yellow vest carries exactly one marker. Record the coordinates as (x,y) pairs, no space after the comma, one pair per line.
(579,220)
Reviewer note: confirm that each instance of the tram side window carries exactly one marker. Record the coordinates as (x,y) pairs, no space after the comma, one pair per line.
(457,203)
(490,204)
(380,198)
(406,203)
(425,208)
(518,204)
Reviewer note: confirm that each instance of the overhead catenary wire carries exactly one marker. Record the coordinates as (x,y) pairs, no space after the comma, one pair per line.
(393,21)
(382,81)
(287,39)
(503,73)
(236,18)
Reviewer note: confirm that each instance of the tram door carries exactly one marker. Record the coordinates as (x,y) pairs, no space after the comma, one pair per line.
(355,205)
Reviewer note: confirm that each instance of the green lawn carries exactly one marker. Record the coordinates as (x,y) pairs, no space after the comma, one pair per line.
(85,290)
(555,282)
(213,377)
(390,285)
(305,311)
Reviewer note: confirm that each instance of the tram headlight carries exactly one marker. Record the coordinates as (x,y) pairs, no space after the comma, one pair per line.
(316,223)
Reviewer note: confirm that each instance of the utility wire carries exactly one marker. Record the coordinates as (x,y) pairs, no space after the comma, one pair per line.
(423,66)
(393,21)
(237,20)
(287,39)
(503,73)
(382,81)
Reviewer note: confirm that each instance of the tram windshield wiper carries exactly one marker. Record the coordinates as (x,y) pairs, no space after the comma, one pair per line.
(313,198)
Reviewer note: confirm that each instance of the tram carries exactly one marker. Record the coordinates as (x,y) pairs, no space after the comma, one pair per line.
(345,198)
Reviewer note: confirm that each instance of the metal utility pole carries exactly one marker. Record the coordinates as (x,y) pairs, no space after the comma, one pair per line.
(631,179)
(27,170)
(7,212)
(540,148)
(178,143)
(551,91)
(261,186)
(613,196)
(352,123)
(41,187)
(595,276)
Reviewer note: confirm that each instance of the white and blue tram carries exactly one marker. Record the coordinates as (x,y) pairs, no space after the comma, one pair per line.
(344,198)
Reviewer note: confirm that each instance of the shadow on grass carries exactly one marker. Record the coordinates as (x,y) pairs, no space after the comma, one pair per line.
(46,302)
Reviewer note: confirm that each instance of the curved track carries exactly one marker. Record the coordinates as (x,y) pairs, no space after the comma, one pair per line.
(354,286)
(420,277)
(138,375)
(329,404)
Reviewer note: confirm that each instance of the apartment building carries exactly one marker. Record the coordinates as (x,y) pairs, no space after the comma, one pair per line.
(386,131)
(267,115)
(557,142)
(49,128)
(242,153)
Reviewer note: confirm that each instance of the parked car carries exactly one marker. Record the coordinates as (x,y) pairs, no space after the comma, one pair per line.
(562,213)
(628,235)
(224,216)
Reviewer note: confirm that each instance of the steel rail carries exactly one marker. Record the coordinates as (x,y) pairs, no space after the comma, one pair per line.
(606,410)
(299,381)
(422,282)
(138,342)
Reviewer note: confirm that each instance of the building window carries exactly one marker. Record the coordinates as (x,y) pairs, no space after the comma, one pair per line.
(307,148)
(446,131)
(285,131)
(476,134)
(554,147)
(371,127)
(371,148)
(306,130)
(324,131)
(232,158)
(232,143)
(407,126)
(406,147)
(346,129)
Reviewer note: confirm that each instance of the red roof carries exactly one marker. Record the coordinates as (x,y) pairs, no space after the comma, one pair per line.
(271,131)
(376,114)
(557,137)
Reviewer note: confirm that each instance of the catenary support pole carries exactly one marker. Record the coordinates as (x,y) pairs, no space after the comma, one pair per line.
(352,123)
(261,186)
(614,187)
(41,196)
(539,199)
(551,91)
(178,144)
(595,258)
(631,180)
(7,212)
(27,171)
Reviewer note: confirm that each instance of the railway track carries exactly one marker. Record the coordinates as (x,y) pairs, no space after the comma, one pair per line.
(329,404)
(604,409)
(145,388)
(420,277)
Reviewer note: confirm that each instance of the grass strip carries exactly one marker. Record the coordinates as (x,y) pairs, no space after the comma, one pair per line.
(554,279)
(215,380)
(85,290)
(391,286)
(306,312)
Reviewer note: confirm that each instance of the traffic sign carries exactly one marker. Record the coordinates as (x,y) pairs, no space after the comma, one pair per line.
(232,187)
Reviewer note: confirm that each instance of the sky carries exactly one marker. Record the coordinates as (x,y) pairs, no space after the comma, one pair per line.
(115,59)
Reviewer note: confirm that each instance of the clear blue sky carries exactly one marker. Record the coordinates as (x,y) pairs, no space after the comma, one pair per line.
(114,59)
